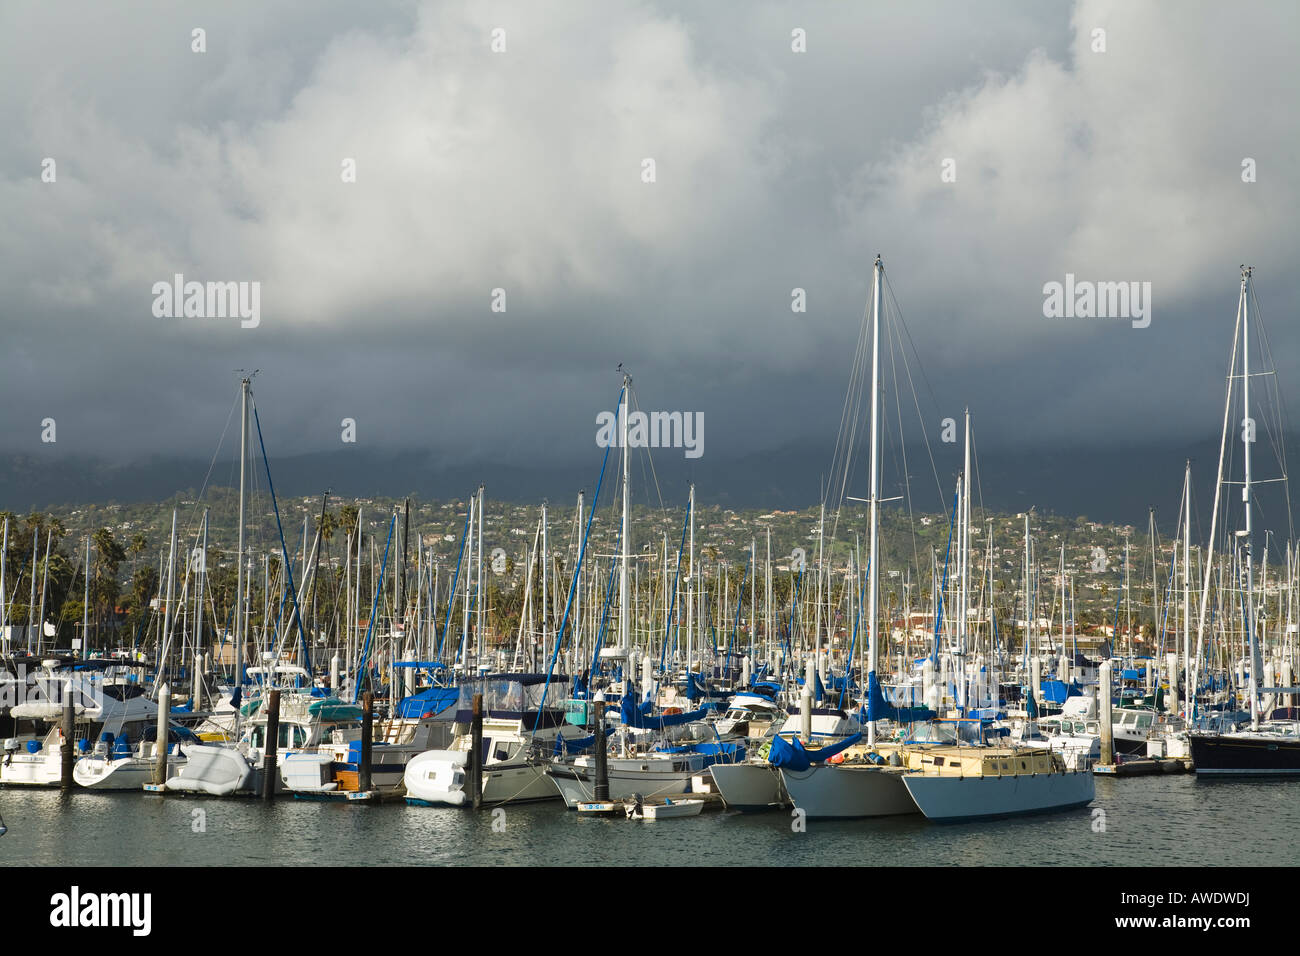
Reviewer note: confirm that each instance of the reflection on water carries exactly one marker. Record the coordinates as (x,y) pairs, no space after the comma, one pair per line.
(1151,821)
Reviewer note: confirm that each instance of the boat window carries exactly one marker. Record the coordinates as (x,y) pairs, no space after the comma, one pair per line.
(1143,721)
(257,736)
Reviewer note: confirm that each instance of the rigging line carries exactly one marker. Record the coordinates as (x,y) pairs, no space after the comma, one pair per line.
(648,457)
(1278,439)
(938,485)
(842,457)
(907,478)
(213,463)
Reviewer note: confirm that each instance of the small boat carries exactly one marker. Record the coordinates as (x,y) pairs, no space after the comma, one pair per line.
(638,809)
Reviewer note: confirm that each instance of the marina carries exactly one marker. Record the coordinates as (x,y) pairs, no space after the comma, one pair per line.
(634,436)
(644,711)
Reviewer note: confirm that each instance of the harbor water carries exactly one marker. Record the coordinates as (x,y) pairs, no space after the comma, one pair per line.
(1149,821)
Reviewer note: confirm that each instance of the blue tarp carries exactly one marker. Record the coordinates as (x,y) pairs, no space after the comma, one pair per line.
(880,709)
(1055,691)
(427,703)
(633,717)
(791,754)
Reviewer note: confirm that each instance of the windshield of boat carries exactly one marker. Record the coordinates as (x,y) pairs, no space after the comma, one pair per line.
(945,732)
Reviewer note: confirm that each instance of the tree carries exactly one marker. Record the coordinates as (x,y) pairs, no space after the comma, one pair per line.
(104,586)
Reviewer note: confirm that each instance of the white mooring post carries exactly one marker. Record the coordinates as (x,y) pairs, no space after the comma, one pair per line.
(1104,713)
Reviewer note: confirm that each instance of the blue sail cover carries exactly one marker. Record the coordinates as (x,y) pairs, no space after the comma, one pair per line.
(633,717)
(1055,691)
(427,703)
(791,754)
(880,709)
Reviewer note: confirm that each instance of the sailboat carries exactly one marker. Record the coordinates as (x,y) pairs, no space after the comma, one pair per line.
(863,784)
(1264,747)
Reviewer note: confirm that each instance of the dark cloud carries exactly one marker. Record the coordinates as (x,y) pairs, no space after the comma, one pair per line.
(521,171)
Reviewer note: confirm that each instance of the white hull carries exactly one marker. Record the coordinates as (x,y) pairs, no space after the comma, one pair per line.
(42,769)
(749,786)
(124,773)
(666,811)
(965,798)
(628,777)
(837,791)
(440,776)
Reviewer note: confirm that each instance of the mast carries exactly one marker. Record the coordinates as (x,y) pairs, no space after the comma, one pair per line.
(1128,601)
(545,581)
(45,583)
(479,648)
(1158,627)
(873,558)
(198,612)
(690,589)
(4,601)
(753,593)
(1187,589)
(624,609)
(241,619)
(817,627)
(1029,611)
(1247,439)
(85,607)
(355,642)
(31,601)
(165,641)
(464,618)
(964,610)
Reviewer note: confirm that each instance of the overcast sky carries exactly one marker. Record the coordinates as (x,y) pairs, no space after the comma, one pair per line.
(523,170)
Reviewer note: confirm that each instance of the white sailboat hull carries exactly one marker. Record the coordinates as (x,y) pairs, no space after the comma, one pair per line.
(749,787)
(836,791)
(123,773)
(654,777)
(966,798)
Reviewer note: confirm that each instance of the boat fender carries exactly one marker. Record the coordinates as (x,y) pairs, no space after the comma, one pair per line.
(838,758)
